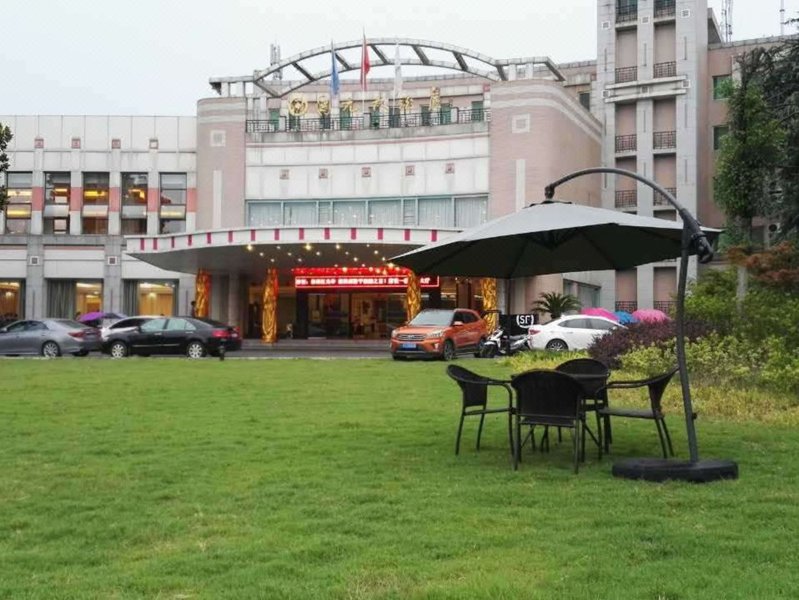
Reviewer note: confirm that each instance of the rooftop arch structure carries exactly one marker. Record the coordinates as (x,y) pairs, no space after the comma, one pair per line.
(455,58)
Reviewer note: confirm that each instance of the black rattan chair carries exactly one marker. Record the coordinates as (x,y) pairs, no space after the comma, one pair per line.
(474,390)
(548,399)
(655,386)
(593,376)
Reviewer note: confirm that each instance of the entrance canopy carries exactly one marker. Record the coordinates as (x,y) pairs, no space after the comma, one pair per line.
(251,251)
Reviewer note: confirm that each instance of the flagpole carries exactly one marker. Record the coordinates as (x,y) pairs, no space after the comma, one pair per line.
(363,79)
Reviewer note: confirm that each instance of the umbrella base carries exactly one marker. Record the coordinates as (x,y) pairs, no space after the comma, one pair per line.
(661,469)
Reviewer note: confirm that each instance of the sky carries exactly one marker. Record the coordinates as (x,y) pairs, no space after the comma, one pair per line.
(148,57)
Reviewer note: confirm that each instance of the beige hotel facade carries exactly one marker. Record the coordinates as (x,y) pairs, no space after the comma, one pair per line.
(271,175)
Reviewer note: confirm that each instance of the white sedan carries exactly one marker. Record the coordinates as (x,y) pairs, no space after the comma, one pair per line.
(573,332)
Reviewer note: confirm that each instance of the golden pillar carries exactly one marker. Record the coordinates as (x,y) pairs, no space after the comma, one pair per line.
(488,287)
(269,310)
(413,296)
(202,294)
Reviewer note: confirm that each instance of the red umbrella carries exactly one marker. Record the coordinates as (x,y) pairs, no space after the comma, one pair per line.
(600,312)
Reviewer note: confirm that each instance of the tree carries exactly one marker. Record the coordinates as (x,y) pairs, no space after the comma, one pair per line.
(556,304)
(5,137)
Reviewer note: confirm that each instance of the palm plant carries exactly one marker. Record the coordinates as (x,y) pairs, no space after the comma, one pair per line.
(556,304)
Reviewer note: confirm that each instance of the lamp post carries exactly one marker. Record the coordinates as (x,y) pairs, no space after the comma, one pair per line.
(693,238)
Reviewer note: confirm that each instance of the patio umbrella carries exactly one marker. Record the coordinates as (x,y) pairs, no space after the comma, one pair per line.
(650,315)
(624,317)
(561,237)
(91,316)
(600,312)
(551,237)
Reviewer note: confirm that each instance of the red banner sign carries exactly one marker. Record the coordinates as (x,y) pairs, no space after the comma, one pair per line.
(394,282)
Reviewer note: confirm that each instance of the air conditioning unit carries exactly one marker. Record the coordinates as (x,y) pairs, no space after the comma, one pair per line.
(34,261)
(606,93)
(112,261)
(685,13)
(686,83)
(644,20)
(645,89)
(605,24)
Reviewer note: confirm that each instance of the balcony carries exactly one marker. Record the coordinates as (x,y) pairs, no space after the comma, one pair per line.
(626,74)
(345,122)
(626,143)
(667,306)
(626,198)
(659,199)
(664,140)
(665,8)
(626,14)
(629,306)
(665,69)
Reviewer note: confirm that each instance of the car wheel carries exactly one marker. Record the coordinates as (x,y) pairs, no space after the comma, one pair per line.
(480,346)
(81,353)
(396,357)
(50,350)
(489,351)
(195,350)
(118,350)
(557,346)
(448,353)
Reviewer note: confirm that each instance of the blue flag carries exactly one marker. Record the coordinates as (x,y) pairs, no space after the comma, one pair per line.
(335,84)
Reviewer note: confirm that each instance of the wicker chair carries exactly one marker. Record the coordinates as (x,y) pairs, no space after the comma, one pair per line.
(656,386)
(548,399)
(474,390)
(593,376)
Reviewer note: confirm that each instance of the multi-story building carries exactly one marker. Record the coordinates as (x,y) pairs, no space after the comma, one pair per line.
(121,213)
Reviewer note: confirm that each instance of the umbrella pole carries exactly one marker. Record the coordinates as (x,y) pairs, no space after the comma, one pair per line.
(690,427)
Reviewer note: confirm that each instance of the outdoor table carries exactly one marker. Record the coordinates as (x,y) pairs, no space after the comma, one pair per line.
(594,389)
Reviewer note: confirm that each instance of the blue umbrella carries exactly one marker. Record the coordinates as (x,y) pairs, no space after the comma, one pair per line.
(625,318)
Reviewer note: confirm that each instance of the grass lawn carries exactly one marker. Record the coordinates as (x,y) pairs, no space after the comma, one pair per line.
(337,479)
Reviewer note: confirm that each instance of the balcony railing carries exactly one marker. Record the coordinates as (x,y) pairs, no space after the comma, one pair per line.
(626,74)
(626,198)
(665,8)
(626,143)
(660,200)
(629,306)
(665,69)
(360,122)
(626,14)
(663,140)
(667,306)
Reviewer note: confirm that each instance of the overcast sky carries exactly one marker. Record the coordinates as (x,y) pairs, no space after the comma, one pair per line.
(155,56)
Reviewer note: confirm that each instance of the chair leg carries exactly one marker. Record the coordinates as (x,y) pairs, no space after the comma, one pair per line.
(607,435)
(480,430)
(662,440)
(582,425)
(668,437)
(510,432)
(576,445)
(560,436)
(458,439)
(517,451)
(600,434)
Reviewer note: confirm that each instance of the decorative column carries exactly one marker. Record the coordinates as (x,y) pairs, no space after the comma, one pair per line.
(488,288)
(413,296)
(202,293)
(269,310)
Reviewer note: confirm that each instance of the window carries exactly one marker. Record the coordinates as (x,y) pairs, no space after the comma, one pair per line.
(134,203)
(425,114)
(478,113)
(57,189)
(173,202)
(576,324)
(95,203)
(445,114)
(585,100)
(157,297)
(721,86)
(299,213)
(601,325)
(179,325)
(435,212)
(274,119)
(18,209)
(12,297)
(471,211)
(153,326)
(374,117)
(67,298)
(718,133)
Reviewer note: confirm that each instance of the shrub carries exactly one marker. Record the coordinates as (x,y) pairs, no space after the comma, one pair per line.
(610,348)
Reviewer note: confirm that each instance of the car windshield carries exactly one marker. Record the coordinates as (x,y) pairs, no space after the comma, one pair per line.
(69,324)
(435,318)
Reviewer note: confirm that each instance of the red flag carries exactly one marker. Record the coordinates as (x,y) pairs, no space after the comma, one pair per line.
(365,65)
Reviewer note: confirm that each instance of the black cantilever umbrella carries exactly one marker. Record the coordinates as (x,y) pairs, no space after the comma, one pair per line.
(560,237)
(551,237)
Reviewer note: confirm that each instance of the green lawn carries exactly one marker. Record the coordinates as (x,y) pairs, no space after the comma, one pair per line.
(337,479)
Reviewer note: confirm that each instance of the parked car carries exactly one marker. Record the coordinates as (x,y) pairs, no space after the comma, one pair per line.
(440,333)
(573,332)
(126,324)
(192,336)
(49,337)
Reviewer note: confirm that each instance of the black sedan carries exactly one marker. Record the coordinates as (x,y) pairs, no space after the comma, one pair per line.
(194,337)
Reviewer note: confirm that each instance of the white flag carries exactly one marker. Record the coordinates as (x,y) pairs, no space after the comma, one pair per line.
(397,73)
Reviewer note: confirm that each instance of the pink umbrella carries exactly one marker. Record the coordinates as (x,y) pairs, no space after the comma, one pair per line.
(600,312)
(651,315)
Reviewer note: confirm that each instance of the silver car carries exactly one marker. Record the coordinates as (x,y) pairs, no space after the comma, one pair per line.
(49,337)
(126,324)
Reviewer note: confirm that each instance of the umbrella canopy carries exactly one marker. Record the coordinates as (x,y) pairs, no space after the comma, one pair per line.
(600,312)
(650,315)
(98,315)
(551,237)
(625,318)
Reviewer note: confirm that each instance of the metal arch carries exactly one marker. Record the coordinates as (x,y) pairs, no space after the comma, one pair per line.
(495,70)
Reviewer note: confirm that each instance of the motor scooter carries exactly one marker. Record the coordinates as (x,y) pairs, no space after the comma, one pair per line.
(510,336)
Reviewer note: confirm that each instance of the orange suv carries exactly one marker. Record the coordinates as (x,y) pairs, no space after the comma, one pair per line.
(439,333)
